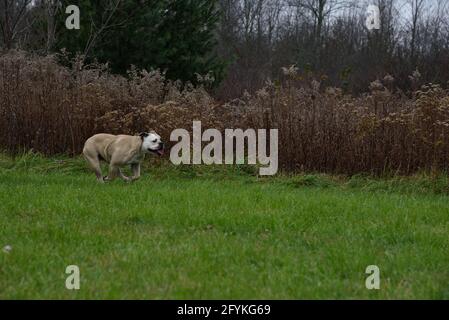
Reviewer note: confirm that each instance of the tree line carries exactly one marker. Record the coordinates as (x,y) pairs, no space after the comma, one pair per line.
(329,38)
(175,36)
(243,44)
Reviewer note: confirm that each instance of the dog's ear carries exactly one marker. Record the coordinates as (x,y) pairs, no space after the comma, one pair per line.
(143,135)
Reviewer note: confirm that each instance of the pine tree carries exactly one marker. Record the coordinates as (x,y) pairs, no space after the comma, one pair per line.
(173,35)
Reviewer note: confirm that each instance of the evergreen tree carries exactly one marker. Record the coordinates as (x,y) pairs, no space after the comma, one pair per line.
(173,35)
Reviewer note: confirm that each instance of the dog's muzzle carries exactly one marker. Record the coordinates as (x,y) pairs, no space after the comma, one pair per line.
(160,151)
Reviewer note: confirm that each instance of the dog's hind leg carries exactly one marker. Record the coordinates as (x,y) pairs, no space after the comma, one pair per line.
(94,163)
(120,173)
(135,167)
(115,172)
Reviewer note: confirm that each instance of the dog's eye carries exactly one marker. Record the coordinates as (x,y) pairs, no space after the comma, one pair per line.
(155,140)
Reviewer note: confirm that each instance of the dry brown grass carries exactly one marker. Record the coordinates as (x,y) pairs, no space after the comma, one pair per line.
(51,109)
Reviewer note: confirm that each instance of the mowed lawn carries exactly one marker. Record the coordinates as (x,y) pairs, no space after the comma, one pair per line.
(207,233)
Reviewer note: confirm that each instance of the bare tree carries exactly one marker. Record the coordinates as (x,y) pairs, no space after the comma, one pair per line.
(106,23)
(320,10)
(416,7)
(13,15)
(51,9)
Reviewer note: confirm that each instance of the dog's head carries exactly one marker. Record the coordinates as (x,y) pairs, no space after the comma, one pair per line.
(152,143)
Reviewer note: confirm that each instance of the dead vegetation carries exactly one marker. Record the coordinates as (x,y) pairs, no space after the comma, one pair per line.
(52,105)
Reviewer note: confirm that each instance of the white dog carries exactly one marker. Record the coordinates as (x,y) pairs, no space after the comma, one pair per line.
(119,151)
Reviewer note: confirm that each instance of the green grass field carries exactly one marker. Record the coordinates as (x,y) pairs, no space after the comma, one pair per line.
(219,233)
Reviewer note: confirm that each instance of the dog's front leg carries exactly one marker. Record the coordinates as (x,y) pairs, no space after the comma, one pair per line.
(135,167)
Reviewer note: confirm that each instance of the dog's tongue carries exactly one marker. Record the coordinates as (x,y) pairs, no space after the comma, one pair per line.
(160,152)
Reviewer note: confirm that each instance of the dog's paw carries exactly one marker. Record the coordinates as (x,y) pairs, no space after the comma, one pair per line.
(128,180)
